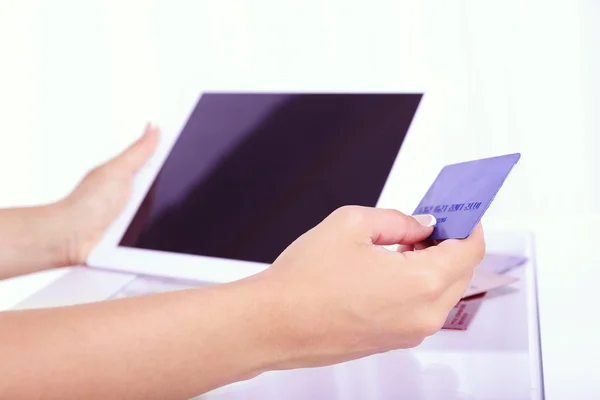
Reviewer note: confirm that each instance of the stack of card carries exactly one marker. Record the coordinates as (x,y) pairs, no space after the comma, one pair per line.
(458,198)
(488,276)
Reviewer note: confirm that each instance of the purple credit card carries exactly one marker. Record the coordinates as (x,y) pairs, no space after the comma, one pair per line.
(462,193)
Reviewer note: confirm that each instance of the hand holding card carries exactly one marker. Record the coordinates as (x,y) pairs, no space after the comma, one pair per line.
(458,199)
(462,193)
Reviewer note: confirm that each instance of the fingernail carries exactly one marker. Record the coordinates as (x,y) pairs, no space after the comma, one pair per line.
(427,220)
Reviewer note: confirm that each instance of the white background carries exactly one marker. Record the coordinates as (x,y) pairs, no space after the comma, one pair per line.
(78,80)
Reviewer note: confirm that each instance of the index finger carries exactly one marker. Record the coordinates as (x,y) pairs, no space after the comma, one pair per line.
(456,257)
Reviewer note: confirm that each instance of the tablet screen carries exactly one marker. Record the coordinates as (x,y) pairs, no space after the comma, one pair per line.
(251,172)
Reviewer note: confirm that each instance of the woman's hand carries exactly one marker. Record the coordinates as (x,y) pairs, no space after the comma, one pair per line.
(101,196)
(62,234)
(340,295)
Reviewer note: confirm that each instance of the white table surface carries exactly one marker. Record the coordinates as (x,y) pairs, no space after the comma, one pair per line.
(449,365)
(561,296)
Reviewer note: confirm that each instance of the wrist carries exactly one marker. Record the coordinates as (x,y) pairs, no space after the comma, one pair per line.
(264,325)
(61,232)
(275,324)
(35,239)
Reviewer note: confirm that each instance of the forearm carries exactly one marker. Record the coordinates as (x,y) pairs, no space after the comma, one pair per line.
(32,239)
(168,346)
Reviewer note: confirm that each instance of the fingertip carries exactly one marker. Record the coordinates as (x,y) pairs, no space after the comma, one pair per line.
(147,144)
(149,137)
(426,220)
(153,134)
(150,129)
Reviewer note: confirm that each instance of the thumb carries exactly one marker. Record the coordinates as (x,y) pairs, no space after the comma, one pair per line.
(134,157)
(387,227)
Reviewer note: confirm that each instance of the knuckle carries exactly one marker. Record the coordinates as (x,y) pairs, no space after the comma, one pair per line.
(101,172)
(98,178)
(478,245)
(431,285)
(396,213)
(480,251)
(349,216)
(401,220)
(472,259)
(94,175)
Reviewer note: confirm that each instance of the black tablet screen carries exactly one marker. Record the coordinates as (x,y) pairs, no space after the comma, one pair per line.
(250,172)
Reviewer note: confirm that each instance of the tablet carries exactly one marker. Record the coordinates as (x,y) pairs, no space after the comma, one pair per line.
(246,173)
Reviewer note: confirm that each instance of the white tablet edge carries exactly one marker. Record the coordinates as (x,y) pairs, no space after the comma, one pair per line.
(415,167)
